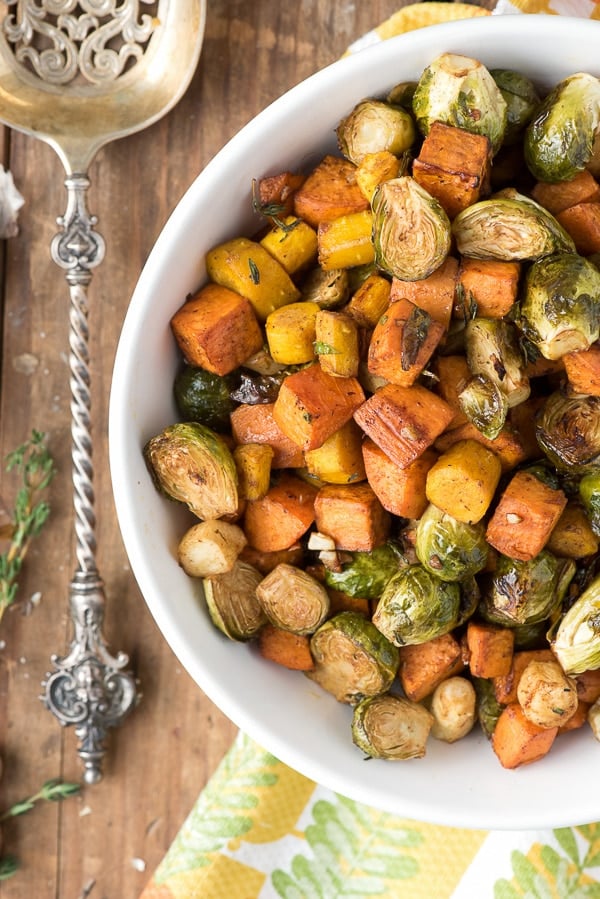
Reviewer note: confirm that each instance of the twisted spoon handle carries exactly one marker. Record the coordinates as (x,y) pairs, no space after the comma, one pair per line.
(88,687)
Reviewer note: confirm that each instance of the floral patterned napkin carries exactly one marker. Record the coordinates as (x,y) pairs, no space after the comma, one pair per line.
(260,830)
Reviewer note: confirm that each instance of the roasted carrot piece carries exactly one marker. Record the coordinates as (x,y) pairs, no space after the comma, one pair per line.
(583,188)
(285,648)
(517,741)
(453,373)
(329,191)
(282,516)
(463,480)
(582,222)
(490,649)
(255,424)
(525,516)
(352,516)
(276,192)
(312,405)
(424,666)
(403,421)
(400,490)
(508,445)
(488,285)
(583,370)
(454,167)
(506,685)
(435,294)
(370,301)
(217,329)
(402,343)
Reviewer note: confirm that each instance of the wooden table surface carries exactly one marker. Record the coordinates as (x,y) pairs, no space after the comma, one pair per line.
(106,842)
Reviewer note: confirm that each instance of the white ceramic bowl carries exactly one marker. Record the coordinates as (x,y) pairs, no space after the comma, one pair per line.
(462,784)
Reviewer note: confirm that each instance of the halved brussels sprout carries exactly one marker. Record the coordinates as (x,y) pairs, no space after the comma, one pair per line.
(492,349)
(576,642)
(402,94)
(521,98)
(328,289)
(411,231)
(352,658)
(373,126)
(193,465)
(589,493)
(232,603)
(451,550)
(560,306)
(485,405)
(391,727)
(509,226)
(293,600)
(417,606)
(488,708)
(568,431)
(205,397)
(526,592)
(560,137)
(460,91)
(367,573)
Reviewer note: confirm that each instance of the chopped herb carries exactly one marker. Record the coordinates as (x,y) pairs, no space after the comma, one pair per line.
(324,349)
(272,211)
(254,272)
(414,335)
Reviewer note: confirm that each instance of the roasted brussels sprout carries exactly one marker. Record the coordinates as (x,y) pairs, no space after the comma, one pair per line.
(589,493)
(411,231)
(391,727)
(368,572)
(559,311)
(460,91)
(576,642)
(488,708)
(328,289)
(485,405)
(450,549)
(232,603)
(417,606)
(509,226)
(293,600)
(526,592)
(568,431)
(205,397)
(352,658)
(560,137)
(402,94)
(190,463)
(521,98)
(373,126)
(493,350)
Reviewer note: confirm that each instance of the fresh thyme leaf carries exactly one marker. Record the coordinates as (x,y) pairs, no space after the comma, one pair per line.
(414,334)
(272,211)
(52,791)
(8,866)
(324,349)
(254,272)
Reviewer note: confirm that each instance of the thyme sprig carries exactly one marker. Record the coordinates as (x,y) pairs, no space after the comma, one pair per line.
(36,467)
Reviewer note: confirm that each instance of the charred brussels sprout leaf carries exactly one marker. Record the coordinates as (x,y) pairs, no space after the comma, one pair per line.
(204,397)
(391,727)
(451,550)
(193,465)
(576,642)
(411,231)
(485,405)
(232,602)
(374,126)
(559,139)
(417,606)
(560,307)
(521,98)
(493,350)
(526,592)
(589,492)
(568,432)
(367,573)
(460,91)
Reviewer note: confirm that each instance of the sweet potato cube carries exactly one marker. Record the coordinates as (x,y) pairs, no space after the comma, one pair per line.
(490,649)
(583,370)
(487,285)
(216,329)
(400,490)
(454,167)
(312,405)
(582,222)
(285,648)
(276,192)
(265,562)
(403,421)
(525,516)
(424,666)
(282,516)
(255,424)
(346,241)
(402,343)
(517,741)
(329,191)
(370,301)
(463,480)
(435,294)
(505,685)
(453,373)
(253,463)
(352,516)
(583,188)
(507,446)
(577,720)
(522,420)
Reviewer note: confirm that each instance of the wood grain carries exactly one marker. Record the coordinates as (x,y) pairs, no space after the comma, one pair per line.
(160,758)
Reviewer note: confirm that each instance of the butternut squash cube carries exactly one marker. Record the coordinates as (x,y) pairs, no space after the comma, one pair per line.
(370,301)
(329,192)
(402,343)
(336,343)
(463,480)
(253,464)
(374,169)
(573,536)
(290,332)
(346,242)
(294,245)
(339,460)
(507,446)
(453,373)
(352,516)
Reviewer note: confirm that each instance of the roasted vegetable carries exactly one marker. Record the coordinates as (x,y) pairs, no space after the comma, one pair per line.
(484,404)
(526,592)
(232,603)
(492,349)
(589,492)
(559,310)
(373,126)
(576,640)
(192,464)
(290,333)
(568,431)
(452,550)
(460,91)
(293,600)
(205,397)
(416,606)
(488,709)
(463,481)
(411,231)
(367,573)
(521,98)
(210,547)
(391,727)
(328,289)
(453,706)
(560,138)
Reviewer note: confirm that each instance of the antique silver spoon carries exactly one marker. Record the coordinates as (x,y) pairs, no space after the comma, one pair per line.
(78,74)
